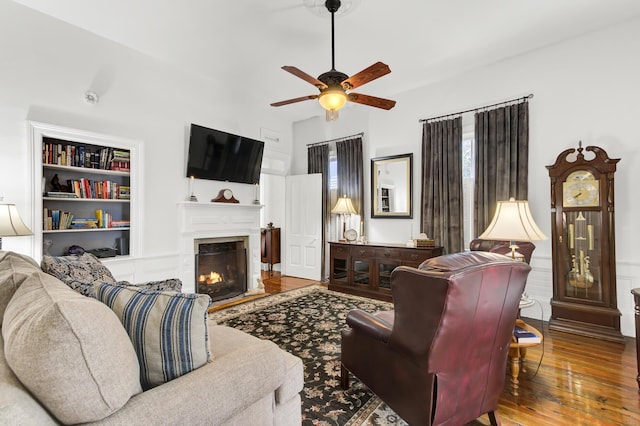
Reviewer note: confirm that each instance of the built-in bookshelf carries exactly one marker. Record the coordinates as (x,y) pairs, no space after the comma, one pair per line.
(84,190)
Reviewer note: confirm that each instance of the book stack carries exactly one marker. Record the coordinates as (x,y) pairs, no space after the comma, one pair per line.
(425,243)
(522,335)
(58,194)
(120,160)
(84,223)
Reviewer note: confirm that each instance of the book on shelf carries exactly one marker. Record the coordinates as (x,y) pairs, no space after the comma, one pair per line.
(84,223)
(522,335)
(59,194)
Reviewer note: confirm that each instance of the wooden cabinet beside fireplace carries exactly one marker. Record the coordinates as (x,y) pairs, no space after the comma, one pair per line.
(365,269)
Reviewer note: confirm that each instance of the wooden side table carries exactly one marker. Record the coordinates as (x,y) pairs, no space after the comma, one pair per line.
(636,300)
(517,353)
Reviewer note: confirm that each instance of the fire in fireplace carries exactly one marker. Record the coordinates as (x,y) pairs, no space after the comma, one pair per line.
(221,268)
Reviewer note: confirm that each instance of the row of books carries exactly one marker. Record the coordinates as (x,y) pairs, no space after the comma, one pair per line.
(81,156)
(88,188)
(106,220)
(58,219)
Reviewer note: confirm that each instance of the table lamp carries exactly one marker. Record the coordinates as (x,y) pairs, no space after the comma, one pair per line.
(11,225)
(513,222)
(344,206)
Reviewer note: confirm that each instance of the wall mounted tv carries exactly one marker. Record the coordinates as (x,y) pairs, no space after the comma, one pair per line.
(218,155)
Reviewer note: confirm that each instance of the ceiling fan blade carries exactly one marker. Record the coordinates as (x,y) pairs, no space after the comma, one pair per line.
(303,75)
(376,70)
(294,100)
(371,101)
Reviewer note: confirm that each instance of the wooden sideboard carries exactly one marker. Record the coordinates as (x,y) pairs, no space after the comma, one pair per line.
(365,269)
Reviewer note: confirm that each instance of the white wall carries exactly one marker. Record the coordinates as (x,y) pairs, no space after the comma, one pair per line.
(47,66)
(585,89)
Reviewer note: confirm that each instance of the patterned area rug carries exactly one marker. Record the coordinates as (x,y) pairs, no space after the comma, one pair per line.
(307,322)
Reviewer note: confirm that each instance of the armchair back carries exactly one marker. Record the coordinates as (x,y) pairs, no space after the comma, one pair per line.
(440,356)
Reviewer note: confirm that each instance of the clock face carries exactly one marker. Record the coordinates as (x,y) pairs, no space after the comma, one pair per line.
(227,194)
(581,193)
(350,234)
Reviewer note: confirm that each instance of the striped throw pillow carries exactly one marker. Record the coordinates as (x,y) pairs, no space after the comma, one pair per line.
(168,330)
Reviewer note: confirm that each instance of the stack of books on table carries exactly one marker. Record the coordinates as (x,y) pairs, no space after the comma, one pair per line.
(425,243)
(522,335)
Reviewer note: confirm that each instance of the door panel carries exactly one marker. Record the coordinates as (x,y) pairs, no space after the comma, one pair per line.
(303,239)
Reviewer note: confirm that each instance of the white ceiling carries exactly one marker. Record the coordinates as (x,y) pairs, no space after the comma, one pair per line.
(244,43)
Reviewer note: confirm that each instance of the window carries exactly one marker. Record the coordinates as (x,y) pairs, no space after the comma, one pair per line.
(468,176)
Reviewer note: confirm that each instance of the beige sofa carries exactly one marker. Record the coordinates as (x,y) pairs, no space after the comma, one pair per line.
(248,381)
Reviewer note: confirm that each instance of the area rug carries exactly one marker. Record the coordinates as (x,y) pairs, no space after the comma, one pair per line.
(307,322)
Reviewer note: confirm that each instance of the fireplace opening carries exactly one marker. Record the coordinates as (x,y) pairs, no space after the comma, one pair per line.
(221,269)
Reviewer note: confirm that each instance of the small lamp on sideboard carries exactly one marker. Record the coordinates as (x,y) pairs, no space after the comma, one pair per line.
(11,224)
(344,206)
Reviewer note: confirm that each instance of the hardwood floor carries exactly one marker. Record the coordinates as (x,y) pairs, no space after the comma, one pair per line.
(580,380)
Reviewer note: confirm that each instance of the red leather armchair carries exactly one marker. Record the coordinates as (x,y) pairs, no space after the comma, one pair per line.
(440,356)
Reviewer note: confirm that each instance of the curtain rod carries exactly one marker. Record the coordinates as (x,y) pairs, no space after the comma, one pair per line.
(344,138)
(529,96)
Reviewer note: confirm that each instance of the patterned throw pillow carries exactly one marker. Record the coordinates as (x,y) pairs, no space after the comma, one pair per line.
(78,272)
(168,330)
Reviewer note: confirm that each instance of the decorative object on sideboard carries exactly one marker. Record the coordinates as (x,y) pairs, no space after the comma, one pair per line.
(192,197)
(344,206)
(11,224)
(513,222)
(225,196)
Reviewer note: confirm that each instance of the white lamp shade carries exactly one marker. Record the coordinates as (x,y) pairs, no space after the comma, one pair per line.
(332,99)
(344,206)
(11,224)
(513,222)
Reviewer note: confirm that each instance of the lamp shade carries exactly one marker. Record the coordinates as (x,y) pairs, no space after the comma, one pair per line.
(513,222)
(332,99)
(344,206)
(11,225)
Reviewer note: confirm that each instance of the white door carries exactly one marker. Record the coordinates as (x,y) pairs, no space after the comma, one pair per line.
(303,230)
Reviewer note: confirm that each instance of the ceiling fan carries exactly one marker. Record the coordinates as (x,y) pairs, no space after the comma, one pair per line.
(334,85)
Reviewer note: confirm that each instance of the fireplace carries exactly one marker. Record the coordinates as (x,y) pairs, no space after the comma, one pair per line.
(219,222)
(221,267)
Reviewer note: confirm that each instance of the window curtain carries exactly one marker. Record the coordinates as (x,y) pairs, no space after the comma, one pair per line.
(318,162)
(441,207)
(502,159)
(350,172)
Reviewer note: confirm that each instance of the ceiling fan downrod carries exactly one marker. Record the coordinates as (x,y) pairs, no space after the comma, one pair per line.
(333,6)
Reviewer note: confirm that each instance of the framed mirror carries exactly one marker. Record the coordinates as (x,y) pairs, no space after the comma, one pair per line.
(391,186)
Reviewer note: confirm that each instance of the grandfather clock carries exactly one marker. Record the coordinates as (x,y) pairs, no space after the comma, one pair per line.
(583,244)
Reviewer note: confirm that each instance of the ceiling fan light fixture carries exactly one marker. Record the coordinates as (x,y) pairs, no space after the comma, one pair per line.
(332,99)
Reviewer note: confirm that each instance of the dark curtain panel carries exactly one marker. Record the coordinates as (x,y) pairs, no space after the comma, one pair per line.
(502,159)
(350,172)
(318,162)
(441,208)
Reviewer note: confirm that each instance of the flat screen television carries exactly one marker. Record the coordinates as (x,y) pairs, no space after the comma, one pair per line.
(218,155)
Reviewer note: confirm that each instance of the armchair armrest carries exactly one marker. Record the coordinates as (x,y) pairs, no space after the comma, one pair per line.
(369,324)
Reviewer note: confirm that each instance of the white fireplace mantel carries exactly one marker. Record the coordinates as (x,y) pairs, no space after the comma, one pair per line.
(216,220)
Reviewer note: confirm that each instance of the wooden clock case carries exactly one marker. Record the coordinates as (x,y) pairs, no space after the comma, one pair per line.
(583,245)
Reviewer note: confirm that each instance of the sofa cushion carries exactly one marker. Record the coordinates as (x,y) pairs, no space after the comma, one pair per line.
(70,351)
(78,272)
(14,269)
(168,330)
